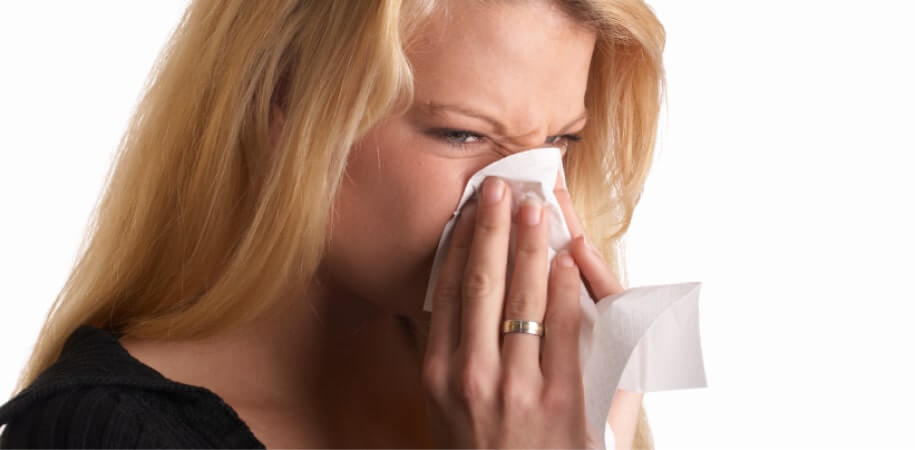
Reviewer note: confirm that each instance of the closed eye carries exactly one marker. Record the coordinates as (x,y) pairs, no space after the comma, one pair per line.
(458,138)
(463,138)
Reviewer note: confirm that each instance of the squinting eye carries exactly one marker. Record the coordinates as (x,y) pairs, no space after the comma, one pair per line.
(567,138)
(456,138)
(462,138)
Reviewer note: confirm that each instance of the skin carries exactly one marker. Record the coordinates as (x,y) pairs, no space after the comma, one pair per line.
(333,365)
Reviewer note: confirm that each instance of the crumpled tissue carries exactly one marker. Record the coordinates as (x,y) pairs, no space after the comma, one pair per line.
(642,339)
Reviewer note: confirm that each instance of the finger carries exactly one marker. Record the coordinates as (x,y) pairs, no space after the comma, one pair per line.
(565,203)
(484,276)
(624,414)
(526,298)
(560,360)
(600,280)
(444,326)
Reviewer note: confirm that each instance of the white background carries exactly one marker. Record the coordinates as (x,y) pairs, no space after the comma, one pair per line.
(783,182)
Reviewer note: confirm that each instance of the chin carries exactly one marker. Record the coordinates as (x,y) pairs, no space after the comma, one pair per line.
(398,291)
(407,297)
(403,299)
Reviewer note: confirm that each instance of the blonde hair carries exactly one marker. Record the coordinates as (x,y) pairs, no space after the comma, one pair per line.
(203,213)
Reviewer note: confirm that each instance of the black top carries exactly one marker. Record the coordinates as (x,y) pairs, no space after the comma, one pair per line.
(97,395)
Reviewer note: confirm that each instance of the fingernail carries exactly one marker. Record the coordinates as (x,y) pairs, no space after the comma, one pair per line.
(531,210)
(493,190)
(564,259)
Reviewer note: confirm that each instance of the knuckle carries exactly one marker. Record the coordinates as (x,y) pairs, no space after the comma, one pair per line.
(435,377)
(518,394)
(571,284)
(488,222)
(566,324)
(474,385)
(558,399)
(531,248)
(449,293)
(519,305)
(477,285)
(564,279)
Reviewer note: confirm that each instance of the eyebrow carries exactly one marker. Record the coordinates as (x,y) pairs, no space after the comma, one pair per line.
(435,108)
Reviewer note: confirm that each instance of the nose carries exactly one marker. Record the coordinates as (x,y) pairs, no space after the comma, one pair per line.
(528,141)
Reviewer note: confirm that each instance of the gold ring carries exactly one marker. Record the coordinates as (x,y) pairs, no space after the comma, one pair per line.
(523,326)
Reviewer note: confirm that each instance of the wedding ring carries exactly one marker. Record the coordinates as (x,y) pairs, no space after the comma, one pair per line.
(523,326)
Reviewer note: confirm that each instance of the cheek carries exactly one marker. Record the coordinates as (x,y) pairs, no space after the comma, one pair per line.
(390,211)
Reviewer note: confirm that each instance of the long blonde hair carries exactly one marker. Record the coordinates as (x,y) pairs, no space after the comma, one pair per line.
(203,213)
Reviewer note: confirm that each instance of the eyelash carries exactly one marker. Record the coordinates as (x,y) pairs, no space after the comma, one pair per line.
(447,135)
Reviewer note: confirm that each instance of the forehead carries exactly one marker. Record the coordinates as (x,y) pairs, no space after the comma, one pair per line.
(521,61)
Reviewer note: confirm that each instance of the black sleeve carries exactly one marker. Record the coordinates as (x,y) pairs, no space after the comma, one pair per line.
(81,417)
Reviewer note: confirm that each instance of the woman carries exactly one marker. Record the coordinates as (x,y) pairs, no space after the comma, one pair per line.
(258,263)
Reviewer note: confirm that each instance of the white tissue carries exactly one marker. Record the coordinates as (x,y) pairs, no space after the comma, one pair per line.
(641,340)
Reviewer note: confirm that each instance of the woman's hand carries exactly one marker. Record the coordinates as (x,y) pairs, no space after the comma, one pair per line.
(597,275)
(624,411)
(526,392)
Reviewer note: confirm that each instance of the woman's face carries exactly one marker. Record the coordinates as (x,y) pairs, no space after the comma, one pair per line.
(490,80)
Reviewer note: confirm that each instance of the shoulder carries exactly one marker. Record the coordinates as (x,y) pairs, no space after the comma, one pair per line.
(96,395)
(81,416)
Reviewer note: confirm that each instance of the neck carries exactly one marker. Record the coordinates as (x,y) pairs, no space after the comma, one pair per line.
(349,366)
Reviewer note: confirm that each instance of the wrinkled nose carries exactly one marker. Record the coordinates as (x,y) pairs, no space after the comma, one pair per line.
(529,141)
